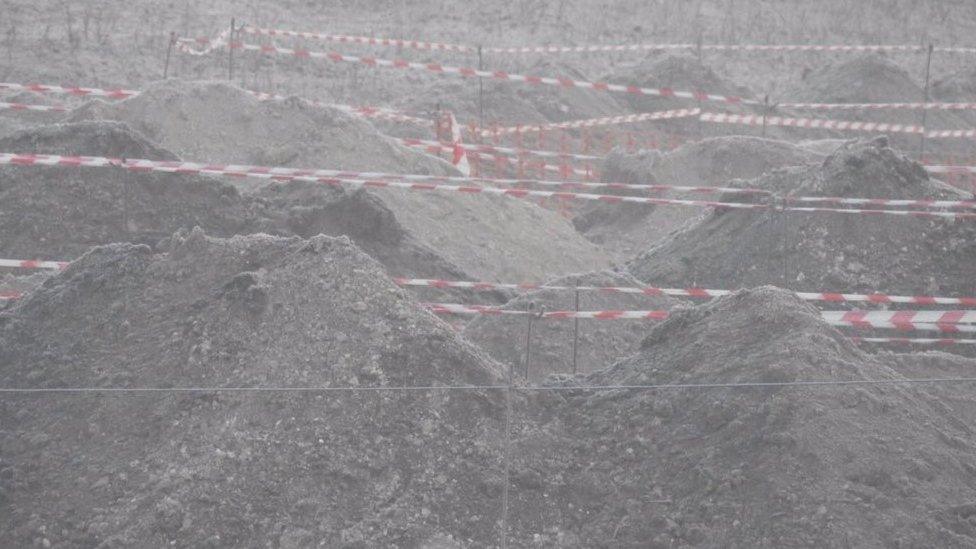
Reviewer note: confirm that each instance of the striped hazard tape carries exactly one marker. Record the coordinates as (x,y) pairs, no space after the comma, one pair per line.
(831,297)
(283,175)
(593,122)
(956,170)
(880,106)
(590,48)
(903,317)
(364,111)
(740,119)
(728,47)
(915,340)
(367,40)
(828,124)
(492,150)
(26,107)
(467,72)
(459,152)
(77,91)
(33,264)
(293,174)
(853,319)
(818,123)
(923,203)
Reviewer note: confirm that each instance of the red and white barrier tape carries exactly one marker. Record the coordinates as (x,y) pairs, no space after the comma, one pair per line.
(365,111)
(492,150)
(455,308)
(903,317)
(9,294)
(77,91)
(33,264)
(592,48)
(746,120)
(831,297)
(467,72)
(436,147)
(864,321)
(727,47)
(907,326)
(183,45)
(368,40)
(460,152)
(282,175)
(827,124)
(955,170)
(923,203)
(906,213)
(915,340)
(286,174)
(820,123)
(879,106)
(26,107)
(593,122)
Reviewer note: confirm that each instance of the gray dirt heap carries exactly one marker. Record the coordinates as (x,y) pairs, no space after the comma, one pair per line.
(823,251)
(210,468)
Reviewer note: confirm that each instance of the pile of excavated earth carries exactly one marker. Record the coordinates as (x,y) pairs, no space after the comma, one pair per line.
(412,233)
(428,467)
(823,251)
(628,229)
(214,468)
(819,466)
(229,361)
(874,79)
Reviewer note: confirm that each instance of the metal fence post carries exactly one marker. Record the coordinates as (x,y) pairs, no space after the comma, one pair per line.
(481,91)
(925,110)
(169,52)
(530,314)
(576,307)
(230,51)
(765,113)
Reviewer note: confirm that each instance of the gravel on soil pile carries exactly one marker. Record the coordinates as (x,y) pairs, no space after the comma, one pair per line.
(859,466)
(624,230)
(221,468)
(823,251)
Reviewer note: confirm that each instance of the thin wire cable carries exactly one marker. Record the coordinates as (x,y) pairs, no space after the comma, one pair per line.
(717,385)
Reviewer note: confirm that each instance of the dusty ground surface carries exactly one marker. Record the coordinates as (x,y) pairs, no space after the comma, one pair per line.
(319,405)
(598,344)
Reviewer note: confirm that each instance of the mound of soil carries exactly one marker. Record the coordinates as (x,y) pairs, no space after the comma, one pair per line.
(628,229)
(678,72)
(501,238)
(599,344)
(12,121)
(874,79)
(958,87)
(510,104)
(686,73)
(864,466)
(821,251)
(59,213)
(217,122)
(212,468)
